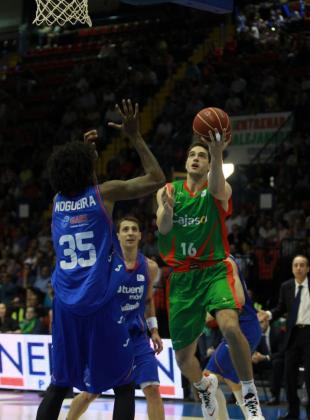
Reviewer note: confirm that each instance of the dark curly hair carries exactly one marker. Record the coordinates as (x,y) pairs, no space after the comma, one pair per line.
(71,168)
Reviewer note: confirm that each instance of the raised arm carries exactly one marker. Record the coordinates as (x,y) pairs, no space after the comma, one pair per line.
(150,314)
(217,185)
(154,177)
(165,210)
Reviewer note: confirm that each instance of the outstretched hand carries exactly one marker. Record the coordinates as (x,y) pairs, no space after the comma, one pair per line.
(130,119)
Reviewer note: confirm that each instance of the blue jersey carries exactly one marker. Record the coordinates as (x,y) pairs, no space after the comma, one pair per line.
(220,361)
(248,311)
(132,293)
(84,242)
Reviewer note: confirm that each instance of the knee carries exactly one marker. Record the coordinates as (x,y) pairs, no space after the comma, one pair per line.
(182,359)
(124,390)
(230,330)
(57,391)
(151,393)
(87,397)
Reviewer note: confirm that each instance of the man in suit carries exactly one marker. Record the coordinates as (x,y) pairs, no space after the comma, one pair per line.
(269,357)
(294,300)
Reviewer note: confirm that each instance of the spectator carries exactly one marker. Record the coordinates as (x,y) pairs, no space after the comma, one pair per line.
(269,356)
(43,278)
(7,324)
(294,299)
(149,247)
(32,323)
(268,232)
(48,298)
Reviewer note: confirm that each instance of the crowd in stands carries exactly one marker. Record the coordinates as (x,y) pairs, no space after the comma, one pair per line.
(42,106)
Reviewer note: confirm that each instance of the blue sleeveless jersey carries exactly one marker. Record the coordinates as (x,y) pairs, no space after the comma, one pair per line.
(220,361)
(85,275)
(248,311)
(132,294)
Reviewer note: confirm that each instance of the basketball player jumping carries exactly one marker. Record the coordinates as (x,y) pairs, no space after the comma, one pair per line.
(193,241)
(88,272)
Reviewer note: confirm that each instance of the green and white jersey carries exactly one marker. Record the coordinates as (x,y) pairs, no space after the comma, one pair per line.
(199,234)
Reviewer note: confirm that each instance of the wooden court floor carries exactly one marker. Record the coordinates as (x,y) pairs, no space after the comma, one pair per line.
(16,405)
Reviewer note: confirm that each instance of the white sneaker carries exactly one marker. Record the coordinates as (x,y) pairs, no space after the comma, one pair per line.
(252,407)
(209,403)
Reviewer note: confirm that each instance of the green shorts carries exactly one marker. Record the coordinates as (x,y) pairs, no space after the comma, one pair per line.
(193,294)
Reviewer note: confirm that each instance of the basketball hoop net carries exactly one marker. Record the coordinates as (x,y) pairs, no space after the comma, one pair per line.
(62,11)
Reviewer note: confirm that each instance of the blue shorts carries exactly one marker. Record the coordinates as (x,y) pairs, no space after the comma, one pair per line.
(145,363)
(92,353)
(220,362)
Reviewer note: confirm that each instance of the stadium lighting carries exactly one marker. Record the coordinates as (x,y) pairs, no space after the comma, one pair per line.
(228,169)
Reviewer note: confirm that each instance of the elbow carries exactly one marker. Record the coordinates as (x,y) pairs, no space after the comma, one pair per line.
(219,195)
(163,230)
(159,179)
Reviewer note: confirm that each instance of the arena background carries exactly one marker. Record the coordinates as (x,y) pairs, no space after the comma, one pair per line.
(57,82)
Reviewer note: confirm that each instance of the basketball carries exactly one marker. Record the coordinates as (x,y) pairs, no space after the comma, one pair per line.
(208,119)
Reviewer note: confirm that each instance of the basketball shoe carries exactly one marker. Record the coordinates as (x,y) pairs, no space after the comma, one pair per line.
(252,407)
(209,404)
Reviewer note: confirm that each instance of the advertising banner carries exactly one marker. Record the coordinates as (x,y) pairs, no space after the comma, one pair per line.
(251,132)
(25,363)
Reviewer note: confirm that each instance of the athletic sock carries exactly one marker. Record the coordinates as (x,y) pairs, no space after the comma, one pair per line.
(248,387)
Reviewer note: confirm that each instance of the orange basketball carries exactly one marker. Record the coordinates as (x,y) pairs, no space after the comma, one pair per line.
(208,119)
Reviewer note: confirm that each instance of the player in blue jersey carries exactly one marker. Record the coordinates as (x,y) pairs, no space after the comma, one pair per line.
(91,349)
(138,312)
(220,362)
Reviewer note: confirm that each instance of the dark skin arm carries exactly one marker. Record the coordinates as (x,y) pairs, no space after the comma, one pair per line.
(148,183)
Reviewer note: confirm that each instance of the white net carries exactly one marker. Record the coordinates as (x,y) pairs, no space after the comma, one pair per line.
(62,11)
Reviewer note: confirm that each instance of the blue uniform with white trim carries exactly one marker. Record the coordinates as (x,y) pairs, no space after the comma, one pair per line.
(91,349)
(132,293)
(220,362)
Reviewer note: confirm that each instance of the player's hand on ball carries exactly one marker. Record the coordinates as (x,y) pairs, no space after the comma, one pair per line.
(217,140)
(130,119)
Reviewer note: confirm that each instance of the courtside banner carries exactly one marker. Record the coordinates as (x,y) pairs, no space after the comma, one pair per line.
(25,363)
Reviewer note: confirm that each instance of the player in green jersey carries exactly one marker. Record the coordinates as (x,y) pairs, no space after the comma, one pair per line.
(193,241)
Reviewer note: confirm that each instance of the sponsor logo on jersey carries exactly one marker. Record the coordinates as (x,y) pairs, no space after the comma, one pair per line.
(126,343)
(185,220)
(80,204)
(81,218)
(134,290)
(129,307)
(140,277)
(65,221)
